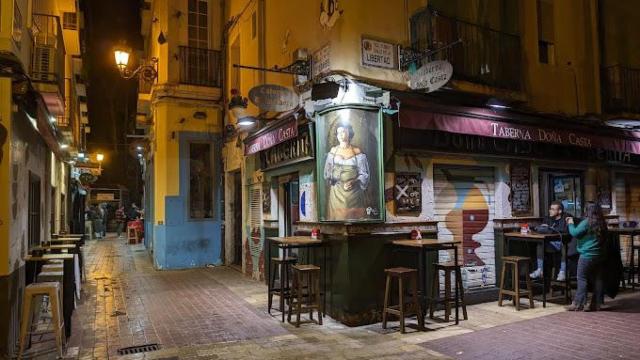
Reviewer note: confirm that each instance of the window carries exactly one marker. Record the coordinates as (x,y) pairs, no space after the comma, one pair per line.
(34,210)
(200,181)
(70,21)
(546,47)
(198,25)
(17,25)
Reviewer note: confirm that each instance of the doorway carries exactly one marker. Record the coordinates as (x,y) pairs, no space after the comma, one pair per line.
(290,204)
(237,219)
(563,186)
(34,210)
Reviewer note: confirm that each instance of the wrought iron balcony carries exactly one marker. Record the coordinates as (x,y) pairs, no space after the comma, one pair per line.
(47,65)
(620,89)
(201,67)
(486,56)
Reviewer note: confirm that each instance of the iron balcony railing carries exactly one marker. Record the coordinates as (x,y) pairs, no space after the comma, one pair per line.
(200,67)
(48,52)
(620,89)
(485,56)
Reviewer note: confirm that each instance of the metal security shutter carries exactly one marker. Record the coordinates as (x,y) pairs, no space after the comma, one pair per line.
(255,219)
(465,207)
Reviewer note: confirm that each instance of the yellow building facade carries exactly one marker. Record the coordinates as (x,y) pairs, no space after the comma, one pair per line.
(42,118)
(182,113)
(525,97)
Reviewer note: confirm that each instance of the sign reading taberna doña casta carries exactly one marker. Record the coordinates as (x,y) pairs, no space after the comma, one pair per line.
(431,76)
(378,53)
(271,137)
(271,97)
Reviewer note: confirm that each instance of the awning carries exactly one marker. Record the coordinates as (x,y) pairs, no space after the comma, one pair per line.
(423,115)
(279,131)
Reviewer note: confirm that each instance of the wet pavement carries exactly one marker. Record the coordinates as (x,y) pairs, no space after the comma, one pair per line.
(217,313)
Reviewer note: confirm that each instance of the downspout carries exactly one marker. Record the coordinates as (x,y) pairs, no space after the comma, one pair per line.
(597,7)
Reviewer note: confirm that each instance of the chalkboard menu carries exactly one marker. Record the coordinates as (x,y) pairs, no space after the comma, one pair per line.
(521,189)
(408,193)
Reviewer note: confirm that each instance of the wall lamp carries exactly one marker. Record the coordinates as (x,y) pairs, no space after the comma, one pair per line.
(147,72)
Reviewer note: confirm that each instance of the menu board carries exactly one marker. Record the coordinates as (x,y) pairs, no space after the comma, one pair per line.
(521,189)
(408,193)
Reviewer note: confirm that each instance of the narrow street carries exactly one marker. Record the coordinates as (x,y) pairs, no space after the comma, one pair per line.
(217,313)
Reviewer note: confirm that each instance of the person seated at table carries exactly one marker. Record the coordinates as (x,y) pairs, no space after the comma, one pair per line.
(556,222)
(591,237)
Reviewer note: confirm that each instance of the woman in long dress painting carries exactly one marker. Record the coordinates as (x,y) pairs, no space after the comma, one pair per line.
(346,171)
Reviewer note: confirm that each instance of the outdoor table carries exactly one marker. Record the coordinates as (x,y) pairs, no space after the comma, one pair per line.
(33,266)
(59,247)
(542,240)
(614,235)
(422,246)
(298,242)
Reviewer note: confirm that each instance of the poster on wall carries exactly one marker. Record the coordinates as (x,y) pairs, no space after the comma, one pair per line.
(408,193)
(349,152)
(521,188)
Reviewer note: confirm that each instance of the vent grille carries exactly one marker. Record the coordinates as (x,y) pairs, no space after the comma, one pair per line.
(138,349)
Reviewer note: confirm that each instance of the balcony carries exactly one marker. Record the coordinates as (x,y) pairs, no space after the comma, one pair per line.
(200,67)
(620,89)
(47,65)
(486,56)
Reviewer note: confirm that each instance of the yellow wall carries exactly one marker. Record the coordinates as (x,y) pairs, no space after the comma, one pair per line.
(549,88)
(167,127)
(5,175)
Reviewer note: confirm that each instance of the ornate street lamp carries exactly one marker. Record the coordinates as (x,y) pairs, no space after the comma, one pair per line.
(147,71)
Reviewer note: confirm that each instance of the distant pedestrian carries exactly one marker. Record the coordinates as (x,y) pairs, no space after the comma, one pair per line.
(591,237)
(134,212)
(121,219)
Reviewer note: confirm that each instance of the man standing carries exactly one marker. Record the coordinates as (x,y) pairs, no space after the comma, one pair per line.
(121,219)
(556,221)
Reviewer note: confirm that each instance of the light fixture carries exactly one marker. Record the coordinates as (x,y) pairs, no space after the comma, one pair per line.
(140,155)
(247,121)
(99,157)
(80,155)
(52,119)
(626,124)
(497,104)
(139,148)
(147,71)
(122,57)
(64,146)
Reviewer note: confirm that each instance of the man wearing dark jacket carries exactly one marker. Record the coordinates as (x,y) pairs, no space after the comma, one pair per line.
(556,221)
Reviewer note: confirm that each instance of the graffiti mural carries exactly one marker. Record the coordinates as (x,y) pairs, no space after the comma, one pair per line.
(464,207)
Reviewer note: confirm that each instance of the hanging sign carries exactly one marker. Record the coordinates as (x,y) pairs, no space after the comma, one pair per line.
(272,137)
(431,76)
(379,54)
(270,97)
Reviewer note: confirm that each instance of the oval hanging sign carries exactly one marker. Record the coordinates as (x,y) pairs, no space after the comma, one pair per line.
(431,76)
(273,98)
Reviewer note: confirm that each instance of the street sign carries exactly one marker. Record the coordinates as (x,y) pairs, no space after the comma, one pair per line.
(431,76)
(321,62)
(271,97)
(380,54)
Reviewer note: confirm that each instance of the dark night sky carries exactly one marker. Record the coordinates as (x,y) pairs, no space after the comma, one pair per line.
(110,97)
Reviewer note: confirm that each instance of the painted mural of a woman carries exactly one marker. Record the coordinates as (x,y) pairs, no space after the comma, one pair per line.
(346,171)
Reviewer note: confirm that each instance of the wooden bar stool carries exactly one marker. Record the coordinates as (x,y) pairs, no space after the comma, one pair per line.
(33,292)
(449,290)
(132,235)
(284,289)
(515,262)
(402,274)
(301,302)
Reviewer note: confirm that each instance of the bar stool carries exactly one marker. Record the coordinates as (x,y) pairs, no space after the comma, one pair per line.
(449,290)
(52,267)
(402,274)
(515,262)
(33,291)
(132,235)
(297,301)
(283,290)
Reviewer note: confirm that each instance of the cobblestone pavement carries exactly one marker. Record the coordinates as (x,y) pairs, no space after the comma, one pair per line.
(217,313)
(611,334)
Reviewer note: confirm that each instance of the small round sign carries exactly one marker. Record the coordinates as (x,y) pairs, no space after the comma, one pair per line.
(271,97)
(431,76)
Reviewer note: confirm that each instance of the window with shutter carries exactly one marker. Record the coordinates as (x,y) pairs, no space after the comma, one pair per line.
(70,21)
(546,32)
